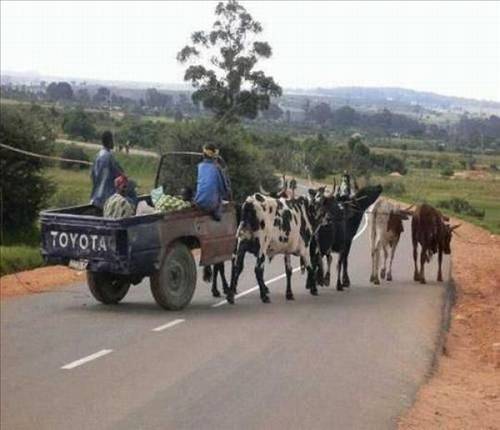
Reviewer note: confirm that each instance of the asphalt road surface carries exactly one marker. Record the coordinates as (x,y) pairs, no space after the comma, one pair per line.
(342,360)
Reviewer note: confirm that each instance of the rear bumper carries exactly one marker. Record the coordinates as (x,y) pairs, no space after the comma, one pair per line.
(143,263)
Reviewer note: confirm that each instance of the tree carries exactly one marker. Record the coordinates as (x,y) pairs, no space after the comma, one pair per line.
(246,163)
(78,123)
(273,113)
(57,91)
(225,78)
(24,188)
(321,113)
(345,116)
(102,96)
(156,99)
(83,96)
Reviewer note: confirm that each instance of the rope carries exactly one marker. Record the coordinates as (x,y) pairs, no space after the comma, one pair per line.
(49,157)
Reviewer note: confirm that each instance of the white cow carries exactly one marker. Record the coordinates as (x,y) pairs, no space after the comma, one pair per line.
(385,223)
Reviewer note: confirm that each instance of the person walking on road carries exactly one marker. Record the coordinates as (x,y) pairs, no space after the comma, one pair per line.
(212,185)
(104,171)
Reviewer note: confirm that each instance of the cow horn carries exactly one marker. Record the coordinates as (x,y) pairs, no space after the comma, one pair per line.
(454,227)
(445,218)
(407,211)
(262,191)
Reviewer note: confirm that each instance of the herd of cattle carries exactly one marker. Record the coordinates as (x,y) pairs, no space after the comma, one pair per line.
(321,223)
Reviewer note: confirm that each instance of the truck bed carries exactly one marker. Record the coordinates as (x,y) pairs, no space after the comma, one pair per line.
(133,245)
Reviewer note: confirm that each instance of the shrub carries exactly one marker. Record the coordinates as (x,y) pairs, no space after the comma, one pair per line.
(388,163)
(394,188)
(447,171)
(78,124)
(24,189)
(426,164)
(461,206)
(73,152)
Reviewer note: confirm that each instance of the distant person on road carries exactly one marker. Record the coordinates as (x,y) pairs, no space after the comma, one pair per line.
(212,186)
(104,171)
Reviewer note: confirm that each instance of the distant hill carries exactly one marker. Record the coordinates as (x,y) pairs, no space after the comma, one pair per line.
(394,95)
(372,98)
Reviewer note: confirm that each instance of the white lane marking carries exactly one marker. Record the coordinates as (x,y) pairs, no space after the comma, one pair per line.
(84,360)
(168,325)
(283,275)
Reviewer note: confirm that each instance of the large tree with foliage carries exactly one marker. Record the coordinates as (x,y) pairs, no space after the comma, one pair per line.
(223,65)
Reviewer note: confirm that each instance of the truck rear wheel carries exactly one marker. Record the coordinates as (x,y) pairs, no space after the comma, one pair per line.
(105,288)
(174,284)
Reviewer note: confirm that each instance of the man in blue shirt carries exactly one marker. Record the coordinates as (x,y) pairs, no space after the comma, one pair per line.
(104,171)
(212,186)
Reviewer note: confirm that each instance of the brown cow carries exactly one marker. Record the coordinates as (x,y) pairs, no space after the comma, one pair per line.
(430,230)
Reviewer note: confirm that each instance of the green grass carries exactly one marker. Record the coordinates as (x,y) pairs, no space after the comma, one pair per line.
(20,251)
(15,258)
(426,185)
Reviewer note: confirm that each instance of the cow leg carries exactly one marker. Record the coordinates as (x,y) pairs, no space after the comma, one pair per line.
(346,282)
(288,270)
(329,259)
(222,273)
(207,273)
(302,266)
(384,268)
(311,260)
(215,291)
(440,262)
(416,275)
(259,274)
(374,265)
(236,269)
(393,251)
(339,267)
(422,265)
(320,277)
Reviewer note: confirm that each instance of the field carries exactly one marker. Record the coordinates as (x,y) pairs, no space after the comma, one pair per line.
(424,186)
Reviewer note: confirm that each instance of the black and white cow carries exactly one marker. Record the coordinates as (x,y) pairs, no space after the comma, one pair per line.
(271,226)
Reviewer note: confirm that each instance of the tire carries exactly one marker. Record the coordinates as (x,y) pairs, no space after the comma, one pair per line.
(174,284)
(105,288)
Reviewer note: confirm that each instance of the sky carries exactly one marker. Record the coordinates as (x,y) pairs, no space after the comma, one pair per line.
(451,48)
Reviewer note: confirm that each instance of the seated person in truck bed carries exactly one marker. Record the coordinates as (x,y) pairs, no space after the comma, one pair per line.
(212,185)
(119,205)
(104,171)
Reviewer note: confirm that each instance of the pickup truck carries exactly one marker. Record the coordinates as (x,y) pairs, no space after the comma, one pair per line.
(118,253)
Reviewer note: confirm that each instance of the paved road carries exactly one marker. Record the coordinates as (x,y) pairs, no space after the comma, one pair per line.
(342,360)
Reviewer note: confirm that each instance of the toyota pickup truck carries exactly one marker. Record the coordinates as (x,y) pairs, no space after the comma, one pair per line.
(118,253)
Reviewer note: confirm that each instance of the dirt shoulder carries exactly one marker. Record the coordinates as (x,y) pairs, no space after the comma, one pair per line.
(39,280)
(464,391)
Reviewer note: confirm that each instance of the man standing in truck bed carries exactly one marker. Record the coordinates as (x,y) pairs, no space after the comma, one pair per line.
(212,186)
(104,171)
